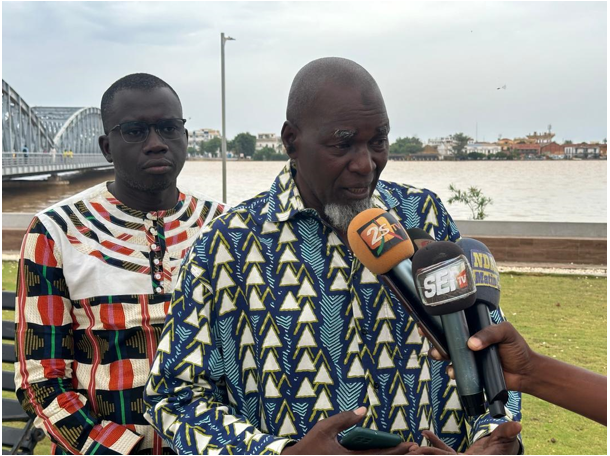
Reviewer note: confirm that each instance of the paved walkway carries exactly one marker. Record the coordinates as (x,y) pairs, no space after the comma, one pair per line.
(524,268)
(554,268)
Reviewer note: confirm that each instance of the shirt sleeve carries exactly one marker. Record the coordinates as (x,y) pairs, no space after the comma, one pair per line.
(186,398)
(44,347)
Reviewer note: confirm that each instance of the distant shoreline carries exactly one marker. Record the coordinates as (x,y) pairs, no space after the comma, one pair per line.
(245,160)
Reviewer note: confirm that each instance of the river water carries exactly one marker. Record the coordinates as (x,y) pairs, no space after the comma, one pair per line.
(550,191)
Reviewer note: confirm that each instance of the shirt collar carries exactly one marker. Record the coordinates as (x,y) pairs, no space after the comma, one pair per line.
(285,201)
(140,214)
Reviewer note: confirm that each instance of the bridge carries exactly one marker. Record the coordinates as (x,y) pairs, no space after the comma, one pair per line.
(72,132)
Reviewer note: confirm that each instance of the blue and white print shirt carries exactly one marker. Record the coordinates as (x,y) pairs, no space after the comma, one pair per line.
(275,325)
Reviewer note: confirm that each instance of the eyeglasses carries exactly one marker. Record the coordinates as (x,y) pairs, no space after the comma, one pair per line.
(137,131)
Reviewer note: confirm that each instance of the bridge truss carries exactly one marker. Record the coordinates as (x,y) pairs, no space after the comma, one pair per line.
(41,128)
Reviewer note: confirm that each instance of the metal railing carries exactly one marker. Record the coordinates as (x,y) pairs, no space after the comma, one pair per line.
(15,164)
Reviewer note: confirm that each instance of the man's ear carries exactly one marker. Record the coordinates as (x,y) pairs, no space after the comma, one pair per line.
(290,138)
(104,144)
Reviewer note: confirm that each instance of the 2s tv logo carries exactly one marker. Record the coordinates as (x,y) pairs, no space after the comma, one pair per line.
(376,233)
(382,233)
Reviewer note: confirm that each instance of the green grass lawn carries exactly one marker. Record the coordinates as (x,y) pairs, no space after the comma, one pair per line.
(560,316)
(565,318)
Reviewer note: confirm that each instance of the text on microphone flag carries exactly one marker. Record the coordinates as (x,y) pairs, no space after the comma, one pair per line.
(382,233)
(445,282)
(484,268)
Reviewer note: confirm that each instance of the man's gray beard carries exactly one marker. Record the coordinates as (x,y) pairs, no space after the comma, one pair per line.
(340,215)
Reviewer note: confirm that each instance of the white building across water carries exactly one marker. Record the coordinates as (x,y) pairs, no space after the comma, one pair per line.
(483,148)
(444,146)
(269,140)
(202,134)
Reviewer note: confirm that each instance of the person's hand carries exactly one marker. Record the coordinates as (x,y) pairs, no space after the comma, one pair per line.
(516,356)
(322,438)
(503,440)
(437,445)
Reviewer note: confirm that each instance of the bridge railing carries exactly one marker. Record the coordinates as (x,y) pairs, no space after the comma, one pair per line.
(20,164)
(46,158)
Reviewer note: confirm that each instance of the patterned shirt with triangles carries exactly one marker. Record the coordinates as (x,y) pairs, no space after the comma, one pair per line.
(275,325)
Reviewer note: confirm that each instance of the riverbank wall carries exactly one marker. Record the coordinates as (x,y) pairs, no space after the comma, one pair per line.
(523,242)
(541,242)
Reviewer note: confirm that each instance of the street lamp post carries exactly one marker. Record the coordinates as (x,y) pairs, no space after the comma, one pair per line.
(223,40)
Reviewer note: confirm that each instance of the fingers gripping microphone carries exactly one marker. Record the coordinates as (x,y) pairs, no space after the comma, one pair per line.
(487,281)
(446,287)
(381,244)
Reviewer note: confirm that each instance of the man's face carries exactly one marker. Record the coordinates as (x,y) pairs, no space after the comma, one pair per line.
(340,148)
(152,165)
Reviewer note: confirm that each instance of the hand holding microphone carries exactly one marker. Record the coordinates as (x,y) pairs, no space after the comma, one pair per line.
(516,357)
(571,387)
(509,363)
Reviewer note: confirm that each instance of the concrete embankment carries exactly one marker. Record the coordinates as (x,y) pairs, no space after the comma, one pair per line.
(541,242)
(544,244)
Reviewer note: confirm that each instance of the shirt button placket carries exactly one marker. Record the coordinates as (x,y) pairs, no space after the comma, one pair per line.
(155,250)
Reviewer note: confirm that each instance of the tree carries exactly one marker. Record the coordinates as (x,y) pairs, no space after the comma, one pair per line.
(192,151)
(476,156)
(473,198)
(244,143)
(567,141)
(268,154)
(406,146)
(212,146)
(460,140)
(504,156)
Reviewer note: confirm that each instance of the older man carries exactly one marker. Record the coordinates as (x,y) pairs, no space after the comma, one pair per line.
(277,336)
(95,278)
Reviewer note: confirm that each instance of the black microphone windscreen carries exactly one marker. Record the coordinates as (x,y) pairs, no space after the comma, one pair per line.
(443,278)
(486,275)
(419,238)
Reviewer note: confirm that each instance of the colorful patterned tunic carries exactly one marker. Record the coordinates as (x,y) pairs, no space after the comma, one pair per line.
(94,284)
(275,325)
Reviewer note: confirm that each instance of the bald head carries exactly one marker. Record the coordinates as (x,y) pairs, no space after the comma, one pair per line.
(319,75)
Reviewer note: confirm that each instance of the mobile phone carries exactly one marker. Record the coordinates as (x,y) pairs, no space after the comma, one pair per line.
(359,439)
(431,325)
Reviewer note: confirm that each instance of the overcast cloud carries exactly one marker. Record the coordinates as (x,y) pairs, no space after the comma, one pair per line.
(438,64)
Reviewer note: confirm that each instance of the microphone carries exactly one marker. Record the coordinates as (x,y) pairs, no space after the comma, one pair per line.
(446,287)
(382,245)
(419,237)
(487,281)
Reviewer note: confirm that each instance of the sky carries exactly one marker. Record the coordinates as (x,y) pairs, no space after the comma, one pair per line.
(439,64)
